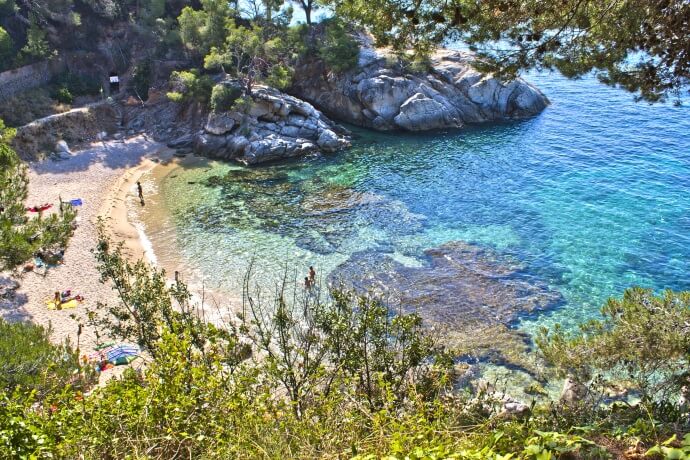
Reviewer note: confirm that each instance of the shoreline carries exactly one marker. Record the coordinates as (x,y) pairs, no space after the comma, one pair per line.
(102,175)
(116,211)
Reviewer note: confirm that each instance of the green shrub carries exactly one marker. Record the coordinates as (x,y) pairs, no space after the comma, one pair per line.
(175,96)
(30,362)
(224,96)
(191,86)
(657,366)
(20,235)
(339,50)
(78,84)
(22,434)
(63,95)
(279,77)
(6,49)
(37,46)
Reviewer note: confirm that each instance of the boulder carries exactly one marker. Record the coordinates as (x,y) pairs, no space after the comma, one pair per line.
(184,141)
(62,147)
(330,141)
(210,145)
(573,391)
(420,113)
(219,124)
(275,126)
(387,97)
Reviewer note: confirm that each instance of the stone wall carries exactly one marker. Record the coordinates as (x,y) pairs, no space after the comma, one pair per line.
(30,76)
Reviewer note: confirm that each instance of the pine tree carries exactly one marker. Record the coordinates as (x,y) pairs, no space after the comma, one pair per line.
(20,235)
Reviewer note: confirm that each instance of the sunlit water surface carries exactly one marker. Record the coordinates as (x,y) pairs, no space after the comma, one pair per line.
(591,197)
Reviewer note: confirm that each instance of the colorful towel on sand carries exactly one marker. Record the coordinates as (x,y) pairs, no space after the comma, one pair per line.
(41,208)
(74,303)
(76,202)
(118,354)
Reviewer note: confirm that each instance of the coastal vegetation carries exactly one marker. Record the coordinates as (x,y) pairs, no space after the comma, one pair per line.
(304,376)
(328,371)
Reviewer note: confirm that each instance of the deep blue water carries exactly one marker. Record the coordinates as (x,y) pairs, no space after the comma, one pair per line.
(592,196)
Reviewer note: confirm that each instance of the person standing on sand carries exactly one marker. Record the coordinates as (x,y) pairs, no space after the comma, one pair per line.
(141,193)
(312,275)
(58,300)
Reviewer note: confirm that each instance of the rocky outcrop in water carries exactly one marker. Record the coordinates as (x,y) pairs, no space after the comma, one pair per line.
(386,97)
(468,293)
(277,126)
(463,285)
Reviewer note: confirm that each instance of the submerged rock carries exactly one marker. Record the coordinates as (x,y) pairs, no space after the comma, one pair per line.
(466,294)
(463,285)
(385,97)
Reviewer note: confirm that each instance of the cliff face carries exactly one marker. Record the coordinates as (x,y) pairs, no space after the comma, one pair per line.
(383,97)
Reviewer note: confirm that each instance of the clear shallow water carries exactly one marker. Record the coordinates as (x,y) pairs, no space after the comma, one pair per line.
(591,197)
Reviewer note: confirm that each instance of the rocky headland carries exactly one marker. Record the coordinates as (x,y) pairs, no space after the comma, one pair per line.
(382,94)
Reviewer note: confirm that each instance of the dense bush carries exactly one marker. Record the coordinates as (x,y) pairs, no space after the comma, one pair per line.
(302,376)
(339,50)
(63,95)
(190,86)
(7,8)
(224,96)
(78,84)
(643,339)
(29,361)
(21,236)
(37,46)
(6,50)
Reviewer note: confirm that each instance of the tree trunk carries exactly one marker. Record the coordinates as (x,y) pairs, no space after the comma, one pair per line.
(269,11)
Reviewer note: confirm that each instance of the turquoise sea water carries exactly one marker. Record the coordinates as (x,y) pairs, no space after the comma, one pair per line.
(592,196)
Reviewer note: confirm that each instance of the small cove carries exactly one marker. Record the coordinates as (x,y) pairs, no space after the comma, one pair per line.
(586,199)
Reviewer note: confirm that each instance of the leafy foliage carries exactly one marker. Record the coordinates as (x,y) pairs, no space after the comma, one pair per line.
(190,86)
(64,95)
(30,362)
(7,8)
(37,46)
(296,376)
(203,29)
(78,84)
(142,77)
(338,50)
(637,45)
(642,339)
(6,49)
(669,451)
(224,96)
(308,343)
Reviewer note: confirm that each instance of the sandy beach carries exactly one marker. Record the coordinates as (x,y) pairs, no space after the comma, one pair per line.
(103,176)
